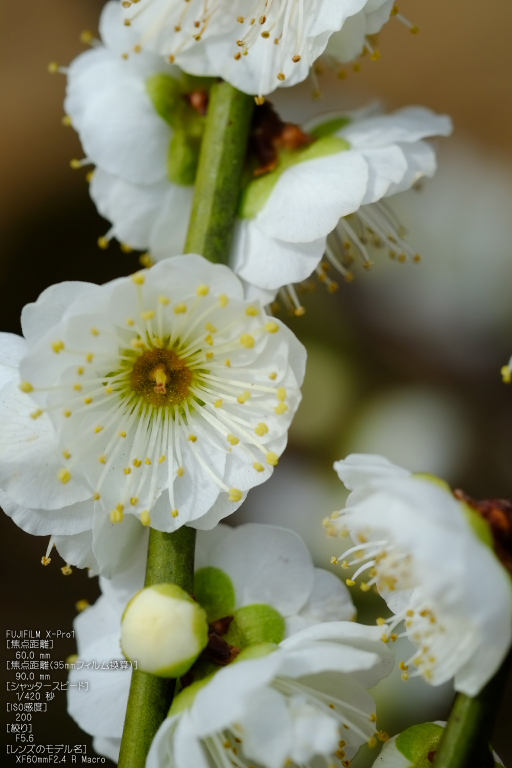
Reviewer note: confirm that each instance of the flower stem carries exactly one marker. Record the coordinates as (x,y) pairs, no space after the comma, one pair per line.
(171,555)
(466,738)
(219,175)
(170,559)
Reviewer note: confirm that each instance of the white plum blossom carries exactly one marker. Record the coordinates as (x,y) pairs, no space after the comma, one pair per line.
(312,687)
(256,46)
(112,101)
(156,399)
(415,747)
(329,198)
(348,165)
(306,698)
(261,575)
(430,557)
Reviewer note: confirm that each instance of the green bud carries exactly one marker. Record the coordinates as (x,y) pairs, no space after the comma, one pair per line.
(214,591)
(164,630)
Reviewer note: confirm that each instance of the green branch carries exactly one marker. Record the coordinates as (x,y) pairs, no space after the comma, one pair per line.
(219,174)
(467,736)
(171,555)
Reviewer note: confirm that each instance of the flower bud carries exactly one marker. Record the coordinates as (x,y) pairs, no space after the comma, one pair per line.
(164,630)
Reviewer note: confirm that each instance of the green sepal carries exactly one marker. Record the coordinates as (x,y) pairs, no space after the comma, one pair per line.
(330,127)
(433,479)
(416,742)
(166,93)
(196,82)
(257,651)
(183,157)
(185,697)
(479,525)
(257,192)
(214,591)
(255,624)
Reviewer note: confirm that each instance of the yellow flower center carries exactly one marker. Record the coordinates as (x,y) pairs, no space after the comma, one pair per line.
(161,377)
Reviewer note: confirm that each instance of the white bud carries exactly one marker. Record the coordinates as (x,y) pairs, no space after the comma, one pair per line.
(164,630)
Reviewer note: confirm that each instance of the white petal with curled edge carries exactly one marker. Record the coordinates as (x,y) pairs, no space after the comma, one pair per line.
(386,166)
(43,522)
(407,125)
(359,472)
(269,263)
(421,161)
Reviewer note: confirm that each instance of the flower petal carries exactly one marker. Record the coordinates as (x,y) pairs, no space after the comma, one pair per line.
(329,600)
(266,565)
(319,192)
(269,263)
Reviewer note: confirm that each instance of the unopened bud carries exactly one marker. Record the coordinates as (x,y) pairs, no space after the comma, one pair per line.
(164,630)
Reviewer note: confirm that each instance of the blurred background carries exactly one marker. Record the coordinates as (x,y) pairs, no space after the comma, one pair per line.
(405,361)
